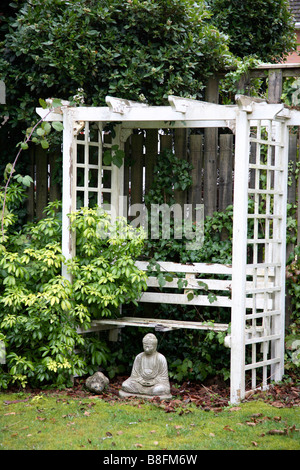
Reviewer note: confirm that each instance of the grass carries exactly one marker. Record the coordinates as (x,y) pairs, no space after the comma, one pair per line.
(58,422)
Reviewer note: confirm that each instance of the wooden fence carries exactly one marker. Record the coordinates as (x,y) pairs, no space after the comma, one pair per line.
(212,161)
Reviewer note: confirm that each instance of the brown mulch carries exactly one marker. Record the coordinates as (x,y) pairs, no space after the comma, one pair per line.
(213,395)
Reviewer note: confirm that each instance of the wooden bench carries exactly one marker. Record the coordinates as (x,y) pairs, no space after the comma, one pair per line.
(198,284)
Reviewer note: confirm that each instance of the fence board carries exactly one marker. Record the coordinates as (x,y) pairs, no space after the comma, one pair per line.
(137,142)
(41,163)
(30,190)
(180,150)
(225,169)
(151,150)
(54,188)
(210,171)
(196,159)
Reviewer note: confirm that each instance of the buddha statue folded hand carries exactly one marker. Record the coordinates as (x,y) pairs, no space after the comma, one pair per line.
(149,375)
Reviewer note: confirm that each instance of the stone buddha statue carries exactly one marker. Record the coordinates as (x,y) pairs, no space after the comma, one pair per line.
(149,375)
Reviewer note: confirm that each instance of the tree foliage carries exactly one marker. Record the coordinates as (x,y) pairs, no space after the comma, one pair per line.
(130,49)
(263,28)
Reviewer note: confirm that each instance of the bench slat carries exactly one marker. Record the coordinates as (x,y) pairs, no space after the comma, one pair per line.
(159,324)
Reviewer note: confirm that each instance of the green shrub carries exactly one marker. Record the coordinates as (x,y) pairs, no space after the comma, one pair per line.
(41,310)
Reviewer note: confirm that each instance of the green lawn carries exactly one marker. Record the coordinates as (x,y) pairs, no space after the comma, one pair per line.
(58,422)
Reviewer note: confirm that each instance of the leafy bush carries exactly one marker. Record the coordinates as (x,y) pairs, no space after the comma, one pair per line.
(130,49)
(263,28)
(41,310)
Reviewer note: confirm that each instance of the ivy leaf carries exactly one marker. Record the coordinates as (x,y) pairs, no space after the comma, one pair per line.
(40,131)
(107,158)
(27,180)
(117,160)
(44,143)
(43,103)
(58,126)
(211,297)
(161,280)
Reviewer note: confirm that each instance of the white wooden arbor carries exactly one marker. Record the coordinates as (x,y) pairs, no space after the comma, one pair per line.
(257,275)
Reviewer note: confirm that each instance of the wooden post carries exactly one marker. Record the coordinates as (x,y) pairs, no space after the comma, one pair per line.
(239,258)
(275,85)
(211,153)
(69,190)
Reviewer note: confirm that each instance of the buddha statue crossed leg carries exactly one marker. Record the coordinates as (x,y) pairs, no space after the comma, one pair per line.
(149,375)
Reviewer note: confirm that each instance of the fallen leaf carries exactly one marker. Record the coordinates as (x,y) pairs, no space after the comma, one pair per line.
(235,408)
(138,445)
(7,414)
(153,431)
(87,413)
(108,434)
(14,434)
(155,443)
(212,434)
(254,443)
(227,428)
(278,432)
(120,432)
(250,423)
(14,401)
(40,418)
(277,404)
(177,426)
(277,418)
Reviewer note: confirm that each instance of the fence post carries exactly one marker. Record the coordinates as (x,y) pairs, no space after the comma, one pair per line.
(275,86)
